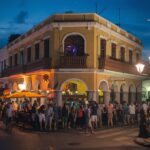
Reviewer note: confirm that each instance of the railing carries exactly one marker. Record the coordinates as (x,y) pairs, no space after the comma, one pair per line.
(13,70)
(44,63)
(73,61)
(109,63)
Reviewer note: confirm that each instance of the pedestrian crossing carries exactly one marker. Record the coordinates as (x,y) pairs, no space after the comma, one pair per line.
(116,134)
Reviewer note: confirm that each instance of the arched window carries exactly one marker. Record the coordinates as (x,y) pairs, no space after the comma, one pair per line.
(74,45)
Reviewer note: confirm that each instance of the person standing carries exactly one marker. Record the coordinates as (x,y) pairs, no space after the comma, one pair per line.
(125,113)
(9,117)
(110,115)
(80,115)
(56,116)
(65,116)
(145,107)
(132,113)
(99,115)
(49,117)
(88,123)
(94,115)
(41,115)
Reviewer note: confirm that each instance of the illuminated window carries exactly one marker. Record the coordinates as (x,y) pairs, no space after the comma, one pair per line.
(74,45)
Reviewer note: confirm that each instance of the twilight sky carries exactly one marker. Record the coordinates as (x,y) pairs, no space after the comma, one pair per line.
(18,16)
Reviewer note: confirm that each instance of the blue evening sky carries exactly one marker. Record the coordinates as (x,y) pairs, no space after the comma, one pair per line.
(18,16)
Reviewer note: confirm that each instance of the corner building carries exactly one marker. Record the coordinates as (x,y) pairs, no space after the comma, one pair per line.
(76,56)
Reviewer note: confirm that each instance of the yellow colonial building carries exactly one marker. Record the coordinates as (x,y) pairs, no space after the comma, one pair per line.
(80,56)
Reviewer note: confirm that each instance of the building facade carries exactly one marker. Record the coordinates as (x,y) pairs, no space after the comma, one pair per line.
(77,56)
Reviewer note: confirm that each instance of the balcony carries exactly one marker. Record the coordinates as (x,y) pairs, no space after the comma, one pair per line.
(44,63)
(13,70)
(73,61)
(109,63)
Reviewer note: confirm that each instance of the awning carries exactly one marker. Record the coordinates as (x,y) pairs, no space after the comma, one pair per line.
(24,94)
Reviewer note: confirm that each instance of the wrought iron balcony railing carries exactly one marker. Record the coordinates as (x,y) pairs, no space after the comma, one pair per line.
(73,61)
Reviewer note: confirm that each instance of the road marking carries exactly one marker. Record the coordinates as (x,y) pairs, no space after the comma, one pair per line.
(129,133)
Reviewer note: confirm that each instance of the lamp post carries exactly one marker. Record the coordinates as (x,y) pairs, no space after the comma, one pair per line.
(140,67)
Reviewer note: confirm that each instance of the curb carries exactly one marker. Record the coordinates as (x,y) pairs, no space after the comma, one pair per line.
(142,141)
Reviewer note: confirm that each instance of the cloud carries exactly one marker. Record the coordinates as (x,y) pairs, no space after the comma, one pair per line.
(21,17)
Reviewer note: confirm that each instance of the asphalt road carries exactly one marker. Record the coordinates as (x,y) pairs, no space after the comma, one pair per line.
(108,139)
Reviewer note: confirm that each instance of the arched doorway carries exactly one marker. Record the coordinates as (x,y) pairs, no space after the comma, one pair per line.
(74,45)
(73,90)
(123,93)
(131,94)
(103,92)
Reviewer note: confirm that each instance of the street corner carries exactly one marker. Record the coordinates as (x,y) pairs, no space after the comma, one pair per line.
(142,141)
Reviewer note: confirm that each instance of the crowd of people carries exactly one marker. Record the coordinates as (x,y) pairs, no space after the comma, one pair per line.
(75,115)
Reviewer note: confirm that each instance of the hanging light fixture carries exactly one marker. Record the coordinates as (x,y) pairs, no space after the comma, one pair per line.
(140,67)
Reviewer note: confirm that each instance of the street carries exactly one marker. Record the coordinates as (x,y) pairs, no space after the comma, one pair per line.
(114,139)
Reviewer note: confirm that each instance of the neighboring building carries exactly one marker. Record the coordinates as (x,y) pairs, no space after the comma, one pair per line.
(78,55)
(146,90)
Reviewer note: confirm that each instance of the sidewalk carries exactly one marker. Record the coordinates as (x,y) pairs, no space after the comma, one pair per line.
(142,141)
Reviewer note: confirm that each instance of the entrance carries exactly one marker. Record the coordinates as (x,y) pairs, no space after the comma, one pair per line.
(74,90)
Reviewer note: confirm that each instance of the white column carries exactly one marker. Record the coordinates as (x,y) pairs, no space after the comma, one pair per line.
(58,98)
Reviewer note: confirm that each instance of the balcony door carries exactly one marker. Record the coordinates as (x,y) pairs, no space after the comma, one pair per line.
(102,52)
(103,48)
(74,45)
(122,54)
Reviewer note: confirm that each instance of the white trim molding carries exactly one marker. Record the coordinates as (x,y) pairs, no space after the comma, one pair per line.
(100,27)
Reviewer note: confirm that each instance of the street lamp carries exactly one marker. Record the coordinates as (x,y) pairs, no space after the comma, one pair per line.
(140,67)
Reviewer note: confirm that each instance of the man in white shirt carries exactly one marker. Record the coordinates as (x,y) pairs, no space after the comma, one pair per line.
(132,113)
(49,116)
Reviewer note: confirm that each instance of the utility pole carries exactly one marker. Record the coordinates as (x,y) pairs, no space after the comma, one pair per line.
(119,24)
(96,7)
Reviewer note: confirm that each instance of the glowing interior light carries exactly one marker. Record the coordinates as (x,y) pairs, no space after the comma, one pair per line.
(22,86)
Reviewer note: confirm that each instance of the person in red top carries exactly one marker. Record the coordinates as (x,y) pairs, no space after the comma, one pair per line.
(110,114)
(80,117)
